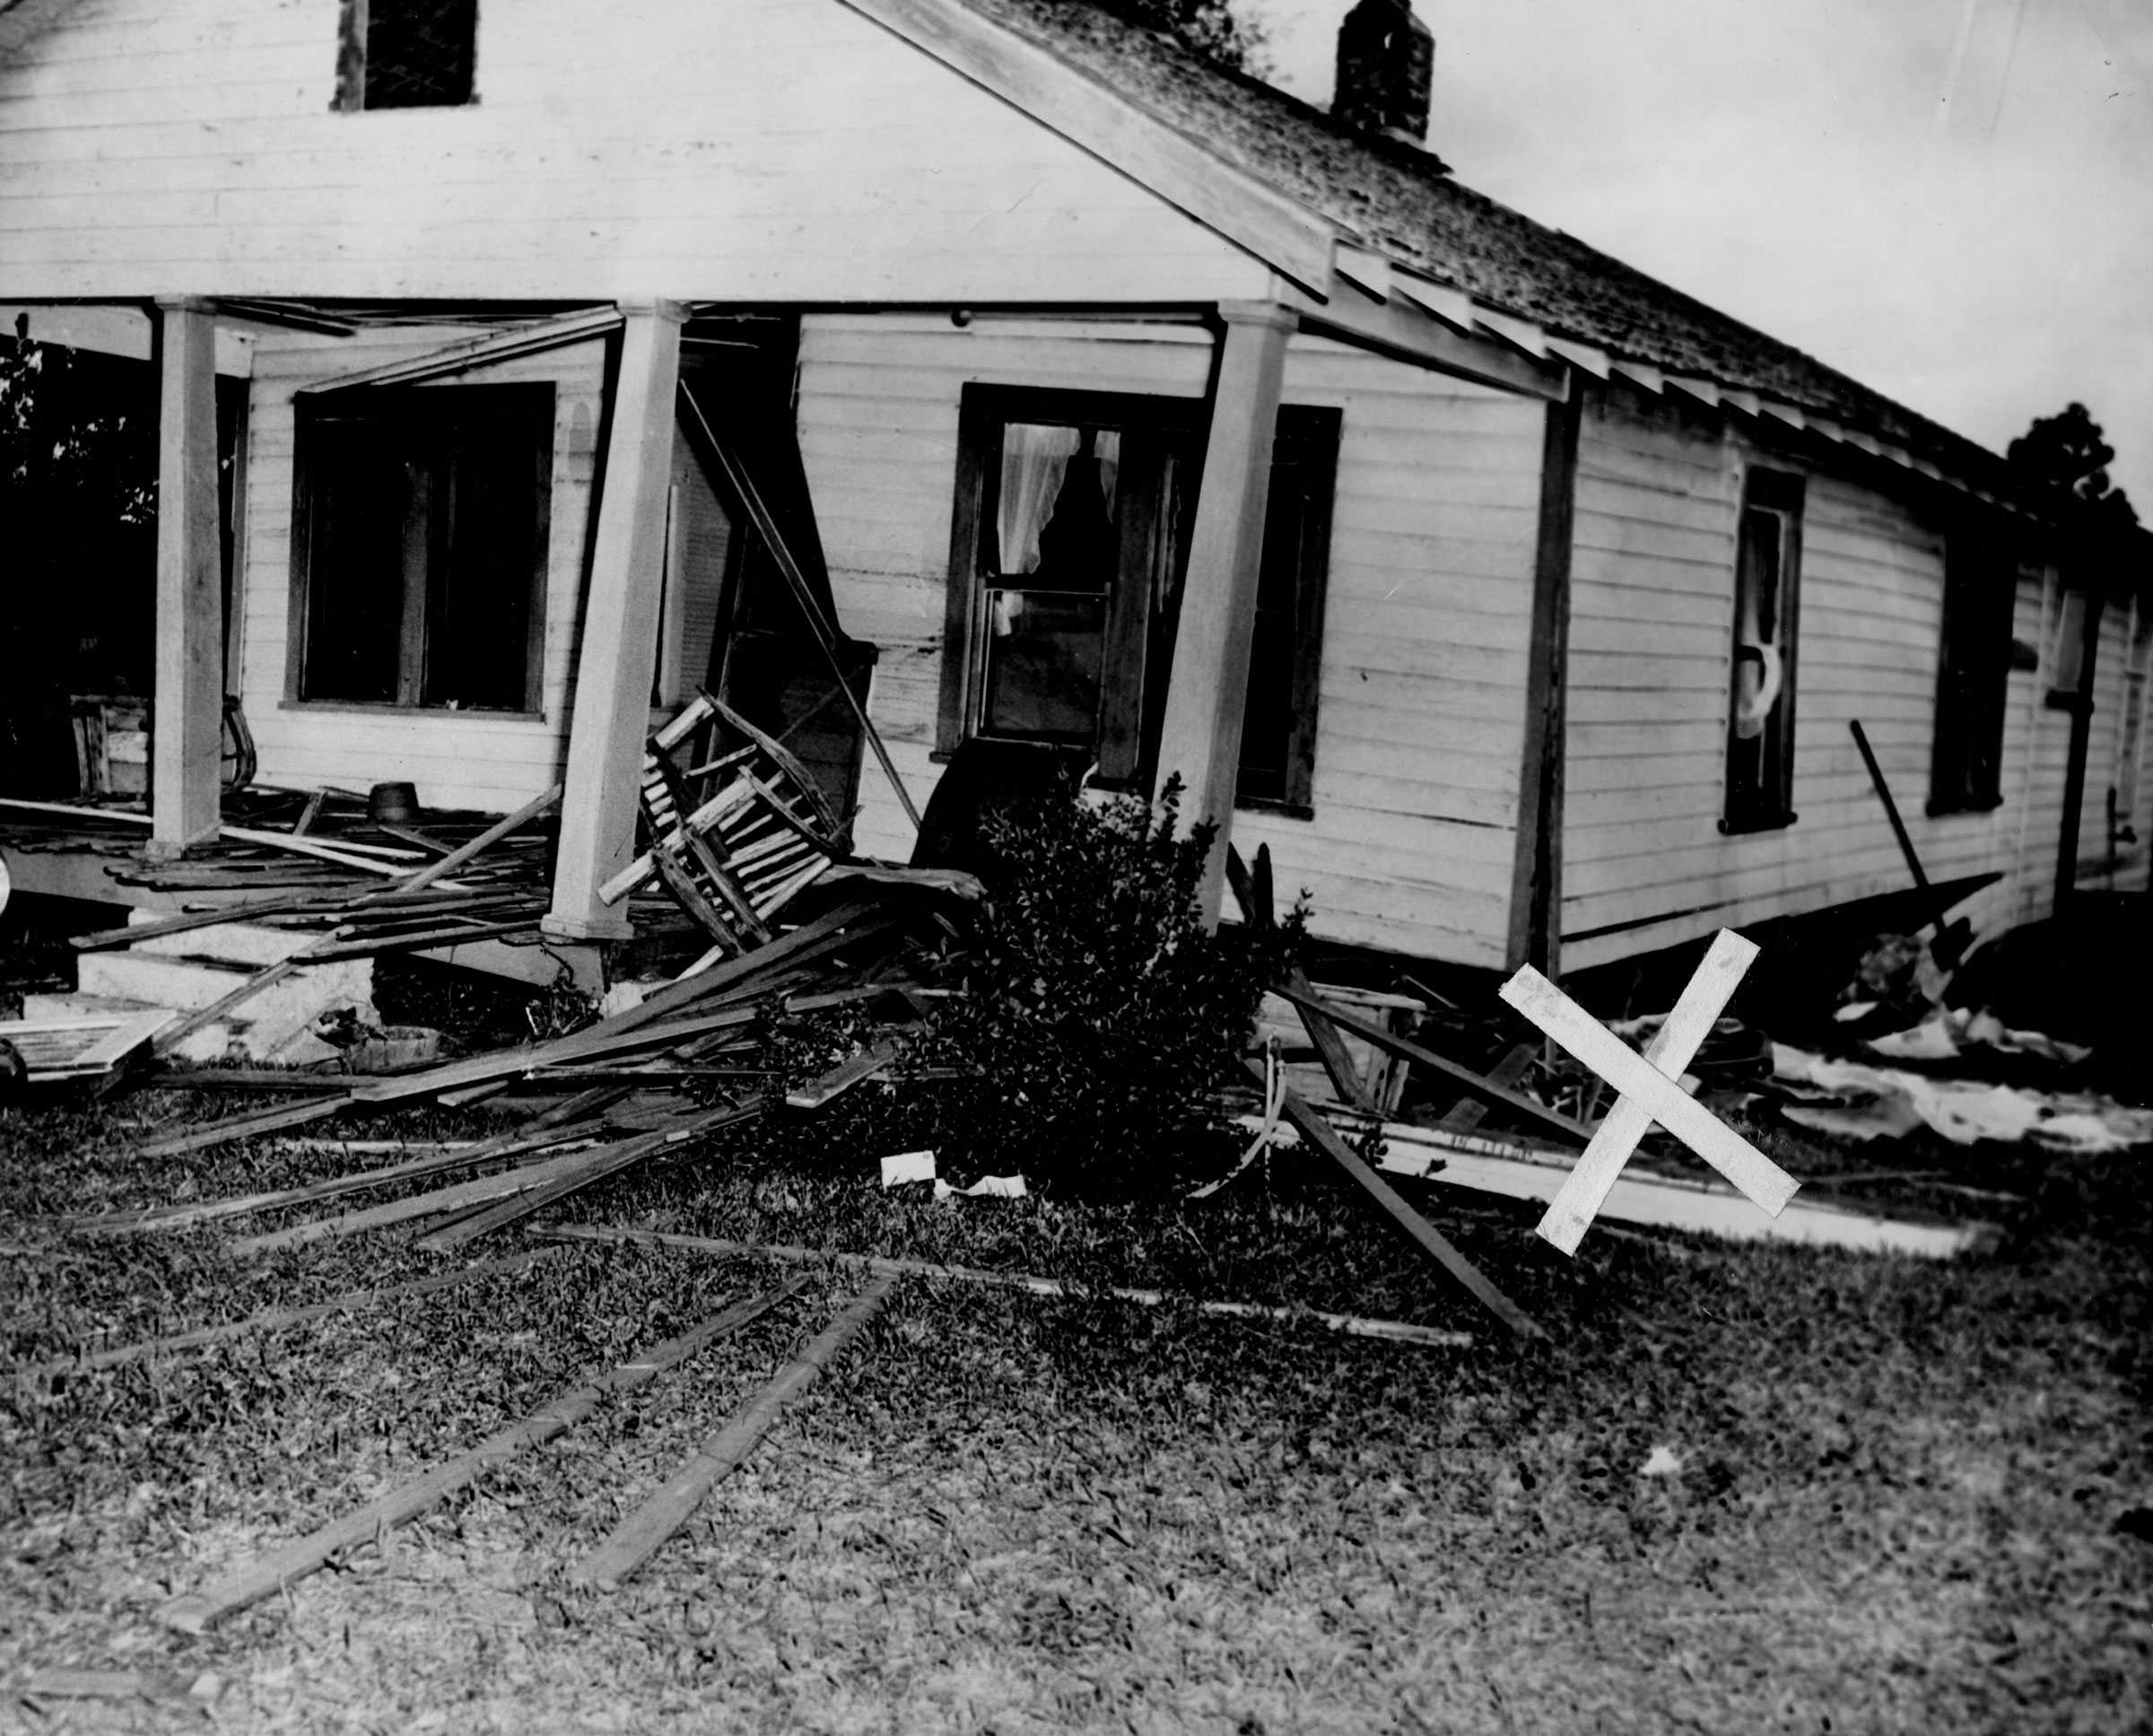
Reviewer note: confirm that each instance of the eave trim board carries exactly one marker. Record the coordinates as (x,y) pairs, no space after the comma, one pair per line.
(1291,240)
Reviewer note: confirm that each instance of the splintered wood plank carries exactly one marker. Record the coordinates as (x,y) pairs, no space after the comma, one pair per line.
(1647,1095)
(842,1078)
(1486,1090)
(1432,1242)
(197,1611)
(275,1320)
(644,1531)
(244,1127)
(1359,1326)
(1468,1112)
(609,1160)
(1330,1047)
(1680,1037)
(453,1198)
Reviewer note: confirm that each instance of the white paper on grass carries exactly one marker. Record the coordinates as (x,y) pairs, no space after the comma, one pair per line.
(988,1187)
(908,1166)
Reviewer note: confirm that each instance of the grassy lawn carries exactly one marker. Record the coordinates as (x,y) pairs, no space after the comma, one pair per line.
(1893,1505)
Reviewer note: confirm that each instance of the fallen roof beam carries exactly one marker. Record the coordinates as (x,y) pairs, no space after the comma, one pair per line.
(478,352)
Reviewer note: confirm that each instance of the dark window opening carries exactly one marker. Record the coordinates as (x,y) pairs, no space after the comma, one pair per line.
(1974,676)
(1070,544)
(1286,659)
(406,53)
(420,561)
(1760,725)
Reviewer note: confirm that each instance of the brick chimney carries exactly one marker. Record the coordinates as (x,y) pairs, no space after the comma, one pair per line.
(1386,65)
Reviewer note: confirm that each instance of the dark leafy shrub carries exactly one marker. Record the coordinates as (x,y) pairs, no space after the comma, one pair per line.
(1102,1014)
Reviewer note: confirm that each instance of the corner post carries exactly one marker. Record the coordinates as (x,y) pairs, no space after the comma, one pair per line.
(1536,881)
(618,660)
(2080,739)
(1208,690)
(189,704)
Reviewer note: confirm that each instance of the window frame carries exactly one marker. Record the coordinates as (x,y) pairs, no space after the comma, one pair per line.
(1130,713)
(1974,671)
(394,411)
(1320,429)
(353,22)
(1783,493)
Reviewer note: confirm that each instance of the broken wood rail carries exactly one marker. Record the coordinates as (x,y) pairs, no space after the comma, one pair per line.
(197,1611)
(644,1531)
(1359,1326)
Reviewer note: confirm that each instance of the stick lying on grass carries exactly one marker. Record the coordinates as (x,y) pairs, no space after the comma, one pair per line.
(195,1612)
(608,1160)
(1357,1326)
(1431,1241)
(275,1320)
(644,1531)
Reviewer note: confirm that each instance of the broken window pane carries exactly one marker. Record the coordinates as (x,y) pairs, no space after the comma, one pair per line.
(1760,733)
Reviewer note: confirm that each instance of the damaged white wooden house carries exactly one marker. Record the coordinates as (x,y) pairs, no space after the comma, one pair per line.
(1100,397)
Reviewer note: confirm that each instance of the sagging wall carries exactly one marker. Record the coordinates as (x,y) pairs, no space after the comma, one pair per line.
(1410,844)
(1645,864)
(488,760)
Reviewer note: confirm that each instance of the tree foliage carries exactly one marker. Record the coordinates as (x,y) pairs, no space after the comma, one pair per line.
(2065,458)
(1215,29)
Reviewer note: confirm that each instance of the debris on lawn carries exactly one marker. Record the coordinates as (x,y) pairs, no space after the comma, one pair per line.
(1857,1101)
(644,1531)
(195,1612)
(1395,1331)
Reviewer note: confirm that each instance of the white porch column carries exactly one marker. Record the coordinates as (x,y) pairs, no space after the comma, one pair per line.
(1208,688)
(620,630)
(189,713)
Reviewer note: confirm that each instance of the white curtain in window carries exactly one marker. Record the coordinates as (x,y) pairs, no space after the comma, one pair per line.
(1034,458)
(1759,670)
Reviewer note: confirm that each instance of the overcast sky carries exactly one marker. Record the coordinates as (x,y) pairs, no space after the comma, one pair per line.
(1786,160)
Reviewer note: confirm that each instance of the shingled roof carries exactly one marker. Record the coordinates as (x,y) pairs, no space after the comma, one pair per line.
(1403,204)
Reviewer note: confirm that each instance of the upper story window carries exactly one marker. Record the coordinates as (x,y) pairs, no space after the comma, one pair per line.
(406,53)
(420,548)
(1760,723)
(1972,676)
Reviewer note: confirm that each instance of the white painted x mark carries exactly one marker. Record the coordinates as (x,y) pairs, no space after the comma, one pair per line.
(1649,1090)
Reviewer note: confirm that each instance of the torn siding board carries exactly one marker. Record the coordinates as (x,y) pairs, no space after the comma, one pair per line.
(460,759)
(1419,706)
(1645,863)
(759,149)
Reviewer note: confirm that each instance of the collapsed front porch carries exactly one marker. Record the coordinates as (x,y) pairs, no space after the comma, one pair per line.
(650,573)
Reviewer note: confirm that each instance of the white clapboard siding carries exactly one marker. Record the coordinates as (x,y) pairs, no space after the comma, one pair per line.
(1644,864)
(752,150)
(1412,838)
(456,759)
